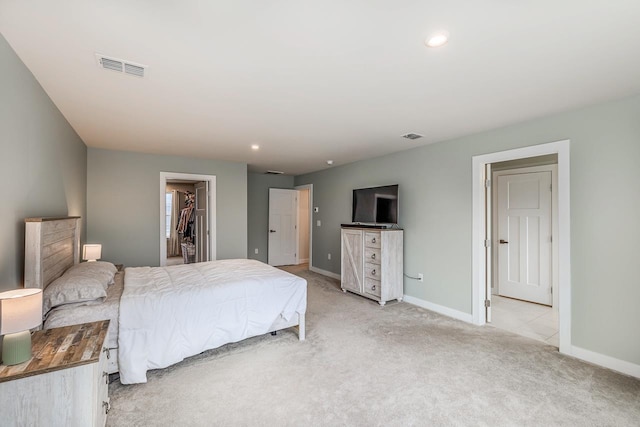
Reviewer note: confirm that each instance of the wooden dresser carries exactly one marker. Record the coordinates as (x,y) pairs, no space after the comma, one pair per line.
(65,382)
(372,263)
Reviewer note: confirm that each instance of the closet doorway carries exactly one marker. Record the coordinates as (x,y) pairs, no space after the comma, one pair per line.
(524,221)
(187,218)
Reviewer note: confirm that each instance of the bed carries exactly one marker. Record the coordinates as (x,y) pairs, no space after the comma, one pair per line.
(161,315)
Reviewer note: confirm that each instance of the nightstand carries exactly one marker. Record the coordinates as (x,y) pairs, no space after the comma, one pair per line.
(64,383)
(120,267)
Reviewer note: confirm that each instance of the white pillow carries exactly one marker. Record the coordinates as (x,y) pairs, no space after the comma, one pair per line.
(70,289)
(100,270)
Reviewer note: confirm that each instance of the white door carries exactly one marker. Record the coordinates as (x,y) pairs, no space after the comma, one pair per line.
(202,221)
(524,236)
(283,220)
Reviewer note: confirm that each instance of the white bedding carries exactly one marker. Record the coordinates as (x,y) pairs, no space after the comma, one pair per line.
(73,314)
(169,313)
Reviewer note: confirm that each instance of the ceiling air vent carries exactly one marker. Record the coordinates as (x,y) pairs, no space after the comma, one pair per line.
(274,173)
(121,65)
(412,136)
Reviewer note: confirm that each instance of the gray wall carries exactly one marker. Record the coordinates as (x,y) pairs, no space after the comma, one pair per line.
(43,166)
(123,205)
(258,211)
(436,213)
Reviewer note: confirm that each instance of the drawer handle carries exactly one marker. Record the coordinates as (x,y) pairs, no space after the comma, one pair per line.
(373,288)
(106,350)
(106,406)
(373,256)
(373,240)
(106,377)
(373,272)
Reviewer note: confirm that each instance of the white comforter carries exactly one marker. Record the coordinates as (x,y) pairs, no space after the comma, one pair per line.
(169,313)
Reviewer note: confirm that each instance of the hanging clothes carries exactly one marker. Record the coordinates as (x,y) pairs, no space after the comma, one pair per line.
(187,218)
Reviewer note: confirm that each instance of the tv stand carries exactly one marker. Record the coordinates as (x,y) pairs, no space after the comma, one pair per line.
(372,262)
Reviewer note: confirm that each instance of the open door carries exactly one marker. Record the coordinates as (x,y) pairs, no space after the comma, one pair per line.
(202,221)
(525,230)
(283,222)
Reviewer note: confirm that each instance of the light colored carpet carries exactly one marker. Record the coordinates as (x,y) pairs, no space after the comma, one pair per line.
(366,365)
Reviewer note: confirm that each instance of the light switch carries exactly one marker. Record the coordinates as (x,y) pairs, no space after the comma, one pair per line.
(318,223)
(256,250)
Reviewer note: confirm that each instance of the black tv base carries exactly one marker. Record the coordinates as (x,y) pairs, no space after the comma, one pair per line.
(356,225)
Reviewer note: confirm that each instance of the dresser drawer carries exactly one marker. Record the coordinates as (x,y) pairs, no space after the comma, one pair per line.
(372,255)
(372,286)
(372,239)
(372,271)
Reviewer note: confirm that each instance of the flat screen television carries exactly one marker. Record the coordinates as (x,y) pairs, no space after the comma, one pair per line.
(375,205)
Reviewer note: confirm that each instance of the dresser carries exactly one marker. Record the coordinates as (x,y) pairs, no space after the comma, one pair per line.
(372,263)
(65,383)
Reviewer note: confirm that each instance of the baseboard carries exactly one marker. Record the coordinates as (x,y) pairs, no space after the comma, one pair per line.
(606,361)
(440,309)
(303,261)
(324,272)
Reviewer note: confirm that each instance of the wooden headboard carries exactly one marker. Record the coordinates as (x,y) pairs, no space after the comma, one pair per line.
(51,246)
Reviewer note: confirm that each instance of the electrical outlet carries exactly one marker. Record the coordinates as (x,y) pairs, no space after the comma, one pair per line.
(420,277)
(328,256)
(256,251)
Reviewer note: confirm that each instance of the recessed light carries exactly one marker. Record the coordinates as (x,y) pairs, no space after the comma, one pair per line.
(437,39)
(255,147)
(330,162)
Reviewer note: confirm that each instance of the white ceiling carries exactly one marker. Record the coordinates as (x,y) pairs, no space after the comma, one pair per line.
(315,80)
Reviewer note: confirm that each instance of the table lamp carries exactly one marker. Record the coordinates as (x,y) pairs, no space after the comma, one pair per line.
(20,310)
(91,252)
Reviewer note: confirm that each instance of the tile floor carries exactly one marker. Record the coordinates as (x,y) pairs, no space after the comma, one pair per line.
(175,260)
(531,320)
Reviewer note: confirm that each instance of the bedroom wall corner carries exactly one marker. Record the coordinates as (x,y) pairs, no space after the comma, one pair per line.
(43,162)
(123,200)
(258,211)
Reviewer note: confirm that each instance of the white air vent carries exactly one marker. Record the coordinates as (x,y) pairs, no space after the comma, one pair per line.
(412,136)
(274,173)
(121,65)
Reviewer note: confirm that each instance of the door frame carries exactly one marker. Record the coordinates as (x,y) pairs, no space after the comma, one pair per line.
(479,258)
(168,176)
(310,188)
(553,168)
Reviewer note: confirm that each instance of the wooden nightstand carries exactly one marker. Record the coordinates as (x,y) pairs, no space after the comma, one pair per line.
(64,383)
(120,267)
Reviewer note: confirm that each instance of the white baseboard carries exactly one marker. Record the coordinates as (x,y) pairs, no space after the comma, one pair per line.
(324,272)
(450,312)
(606,361)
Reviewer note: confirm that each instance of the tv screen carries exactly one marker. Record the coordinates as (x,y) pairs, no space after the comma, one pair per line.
(378,205)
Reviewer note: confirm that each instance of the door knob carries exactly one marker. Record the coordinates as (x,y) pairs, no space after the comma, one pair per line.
(502,242)
(272,231)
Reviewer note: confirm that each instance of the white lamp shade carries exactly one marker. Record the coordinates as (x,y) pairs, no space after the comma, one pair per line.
(20,310)
(91,252)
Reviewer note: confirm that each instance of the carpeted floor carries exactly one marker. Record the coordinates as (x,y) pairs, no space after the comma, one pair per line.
(365,365)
